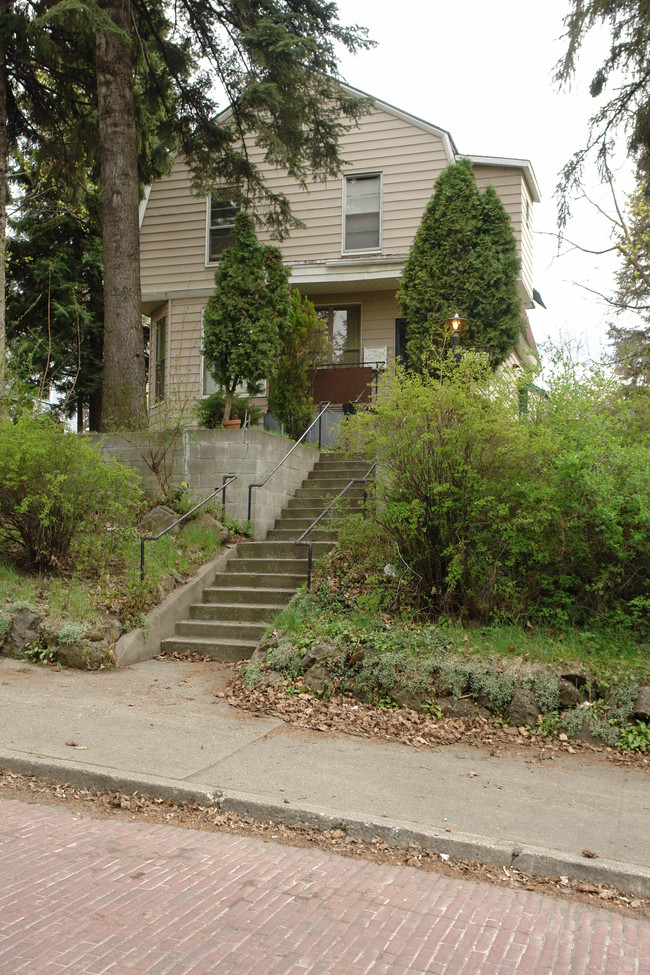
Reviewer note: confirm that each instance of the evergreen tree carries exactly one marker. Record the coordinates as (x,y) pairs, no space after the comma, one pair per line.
(303,342)
(242,320)
(463,259)
(151,61)
(627,63)
(54,300)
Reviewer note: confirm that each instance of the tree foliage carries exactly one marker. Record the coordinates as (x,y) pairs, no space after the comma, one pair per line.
(54,303)
(151,69)
(54,486)
(303,343)
(463,258)
(243,318)
(626,69)
(544,517)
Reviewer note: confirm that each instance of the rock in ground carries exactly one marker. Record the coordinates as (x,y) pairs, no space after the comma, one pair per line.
(642,706)
(523,709)
(23,634)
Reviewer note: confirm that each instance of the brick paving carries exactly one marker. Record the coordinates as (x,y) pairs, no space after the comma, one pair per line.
(86,897)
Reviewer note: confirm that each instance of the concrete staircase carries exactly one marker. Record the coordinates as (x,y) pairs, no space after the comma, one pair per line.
(261,577)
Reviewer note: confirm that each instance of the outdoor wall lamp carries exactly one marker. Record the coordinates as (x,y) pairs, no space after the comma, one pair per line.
(456,324)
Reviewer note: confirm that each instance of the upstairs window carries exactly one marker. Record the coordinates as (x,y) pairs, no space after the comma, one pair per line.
(362,210)
(221,220)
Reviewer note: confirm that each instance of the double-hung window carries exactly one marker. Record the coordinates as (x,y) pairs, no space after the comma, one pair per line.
(221,220)
(362,213)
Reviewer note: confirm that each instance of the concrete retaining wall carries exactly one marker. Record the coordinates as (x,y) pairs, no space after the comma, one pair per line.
(201,458)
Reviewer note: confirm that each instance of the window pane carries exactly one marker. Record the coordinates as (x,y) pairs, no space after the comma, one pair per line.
(346,335)
(362,213)
(222,219)
(362,194)
(161,342)
(362,232)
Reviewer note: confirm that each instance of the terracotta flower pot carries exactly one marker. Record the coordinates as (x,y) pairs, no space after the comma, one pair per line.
(231,424)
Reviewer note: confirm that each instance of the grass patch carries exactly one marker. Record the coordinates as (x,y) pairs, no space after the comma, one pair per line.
(106,577)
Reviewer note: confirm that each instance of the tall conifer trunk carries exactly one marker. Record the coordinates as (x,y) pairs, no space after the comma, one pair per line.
(123,397)
(4,7)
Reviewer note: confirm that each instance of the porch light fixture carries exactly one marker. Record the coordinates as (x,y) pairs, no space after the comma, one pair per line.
(456,324)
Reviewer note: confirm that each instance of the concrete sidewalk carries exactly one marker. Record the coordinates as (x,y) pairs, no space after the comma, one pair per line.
(157,727)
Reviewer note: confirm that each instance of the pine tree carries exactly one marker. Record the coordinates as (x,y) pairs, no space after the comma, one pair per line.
(54,299)
(242,320)
(463,259)
(277,64)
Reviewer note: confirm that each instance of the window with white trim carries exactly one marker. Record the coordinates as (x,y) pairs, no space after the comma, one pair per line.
(362,223)
(221,220)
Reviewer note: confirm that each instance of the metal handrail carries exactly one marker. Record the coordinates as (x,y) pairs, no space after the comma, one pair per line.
(301,540)
(323,409)
(375,379)
(227,479)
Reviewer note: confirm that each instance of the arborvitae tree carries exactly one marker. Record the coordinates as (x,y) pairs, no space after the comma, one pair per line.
(463,259)
(303,342)
(242,320)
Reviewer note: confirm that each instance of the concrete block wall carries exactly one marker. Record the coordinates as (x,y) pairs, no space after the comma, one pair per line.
(203,457)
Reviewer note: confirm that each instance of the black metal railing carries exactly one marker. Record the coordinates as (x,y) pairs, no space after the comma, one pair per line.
(323,409)
(227,479)
(303,539)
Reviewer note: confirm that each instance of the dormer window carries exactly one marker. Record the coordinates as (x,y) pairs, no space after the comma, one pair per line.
(362,213)
(221,220)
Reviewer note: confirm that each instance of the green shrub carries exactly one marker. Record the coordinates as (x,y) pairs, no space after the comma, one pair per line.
(210,409)
(55,486)
(544,516)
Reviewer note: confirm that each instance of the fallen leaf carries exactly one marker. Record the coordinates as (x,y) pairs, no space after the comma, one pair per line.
(589,854)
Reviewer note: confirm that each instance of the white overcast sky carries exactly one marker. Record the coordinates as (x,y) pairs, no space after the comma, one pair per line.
(483,71)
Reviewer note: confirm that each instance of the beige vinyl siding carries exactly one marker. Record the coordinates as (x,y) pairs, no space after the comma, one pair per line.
(183,372)
(173,232)
(526,273)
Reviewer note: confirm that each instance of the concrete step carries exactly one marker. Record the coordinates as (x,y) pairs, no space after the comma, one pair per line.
(303,507)
(344,473)
(220,630)
(330,521)
(331,484)
(242,595)
(278,550)
(261,612)
(317,493)
(290,534)
(256,580)
(295,566)
(224,650)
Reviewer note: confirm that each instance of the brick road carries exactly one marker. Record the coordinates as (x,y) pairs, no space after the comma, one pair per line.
(84,897)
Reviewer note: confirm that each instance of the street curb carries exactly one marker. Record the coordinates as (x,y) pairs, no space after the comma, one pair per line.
(536,861)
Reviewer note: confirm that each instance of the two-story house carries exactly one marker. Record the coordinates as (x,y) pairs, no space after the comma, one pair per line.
(348,259)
